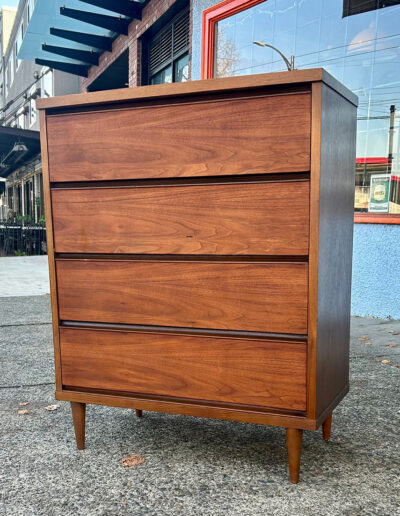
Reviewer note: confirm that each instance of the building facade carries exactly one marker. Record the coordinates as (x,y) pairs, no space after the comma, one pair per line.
(113,44)
(21,83)
(7,17)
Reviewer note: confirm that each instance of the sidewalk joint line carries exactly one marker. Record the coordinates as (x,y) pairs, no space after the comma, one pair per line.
(26,385)
(25,324)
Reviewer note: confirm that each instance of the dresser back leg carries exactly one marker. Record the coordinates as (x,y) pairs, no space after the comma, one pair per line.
(326,428)
(78,415)
(294,438)
(139,412)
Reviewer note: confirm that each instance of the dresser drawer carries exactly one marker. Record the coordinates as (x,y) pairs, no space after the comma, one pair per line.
(249,372)
(233,136)
(247,219)
(267,297)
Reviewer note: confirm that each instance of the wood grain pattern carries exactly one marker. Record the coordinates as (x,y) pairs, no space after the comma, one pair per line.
(179,258)
(326,428)
(316,107)
(212,86)
(294,438)
(78,415)
(50,247)
(245,136)
(270,297)
(266,218)
(335,245)
(248,372)
(188,408)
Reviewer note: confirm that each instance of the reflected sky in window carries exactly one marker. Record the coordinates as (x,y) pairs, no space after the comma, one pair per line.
(362,51)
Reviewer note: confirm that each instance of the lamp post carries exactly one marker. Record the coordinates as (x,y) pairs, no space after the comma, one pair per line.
(289,64)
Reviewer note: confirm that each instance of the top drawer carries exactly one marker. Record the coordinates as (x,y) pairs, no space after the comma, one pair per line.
(238,136)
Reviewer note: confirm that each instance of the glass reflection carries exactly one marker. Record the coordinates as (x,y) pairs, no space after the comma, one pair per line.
(163,76)
(181,73)
(361,50)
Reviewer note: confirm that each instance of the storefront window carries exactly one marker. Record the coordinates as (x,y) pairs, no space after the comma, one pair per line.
(359,45)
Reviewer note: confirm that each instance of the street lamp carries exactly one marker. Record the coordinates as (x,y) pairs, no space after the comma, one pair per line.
(289,64)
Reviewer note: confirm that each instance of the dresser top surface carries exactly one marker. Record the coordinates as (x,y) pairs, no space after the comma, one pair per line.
(209,86)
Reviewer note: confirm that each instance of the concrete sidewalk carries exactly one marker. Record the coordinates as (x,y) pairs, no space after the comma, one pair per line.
(24,276)
(193,466)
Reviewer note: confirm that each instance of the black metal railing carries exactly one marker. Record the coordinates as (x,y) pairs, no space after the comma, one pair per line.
(22,238)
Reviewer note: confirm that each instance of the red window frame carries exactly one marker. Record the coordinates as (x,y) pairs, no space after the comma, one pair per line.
(228,8)
(210,17)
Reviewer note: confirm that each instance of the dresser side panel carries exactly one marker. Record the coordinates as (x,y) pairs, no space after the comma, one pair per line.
(335,244)
(50,245)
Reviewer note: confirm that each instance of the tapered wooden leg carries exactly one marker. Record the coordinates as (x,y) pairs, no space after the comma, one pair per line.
(139,412)
(78,415)
(293,439)
(326,428)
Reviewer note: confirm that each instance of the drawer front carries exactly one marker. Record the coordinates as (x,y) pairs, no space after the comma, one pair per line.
(248,372)
(241,136)
(267,297)
(247,219)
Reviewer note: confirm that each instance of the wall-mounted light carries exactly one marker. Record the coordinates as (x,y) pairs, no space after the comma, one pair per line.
(19,147)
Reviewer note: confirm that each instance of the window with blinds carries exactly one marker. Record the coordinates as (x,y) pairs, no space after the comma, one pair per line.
(168,52)
(351,7)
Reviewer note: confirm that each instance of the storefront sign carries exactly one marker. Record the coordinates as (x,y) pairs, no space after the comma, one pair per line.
(379,193)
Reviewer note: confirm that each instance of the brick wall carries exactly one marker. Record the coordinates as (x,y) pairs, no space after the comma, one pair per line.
(151,12)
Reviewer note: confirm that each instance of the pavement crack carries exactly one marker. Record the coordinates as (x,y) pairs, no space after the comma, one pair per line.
(385,355)
(25,324)
(25,385)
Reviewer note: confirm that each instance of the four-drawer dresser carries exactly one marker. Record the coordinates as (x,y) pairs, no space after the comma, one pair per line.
(200,244)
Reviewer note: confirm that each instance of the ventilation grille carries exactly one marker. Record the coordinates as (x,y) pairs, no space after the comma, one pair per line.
(161,49)
(170,42)
(181,33)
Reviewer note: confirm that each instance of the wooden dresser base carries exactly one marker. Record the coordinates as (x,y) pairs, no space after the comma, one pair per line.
(294,436)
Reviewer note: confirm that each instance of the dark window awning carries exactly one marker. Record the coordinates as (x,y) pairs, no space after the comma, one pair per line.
(70,35)
(17,147)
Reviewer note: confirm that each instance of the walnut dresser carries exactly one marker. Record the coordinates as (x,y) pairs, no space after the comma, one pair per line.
(200,245)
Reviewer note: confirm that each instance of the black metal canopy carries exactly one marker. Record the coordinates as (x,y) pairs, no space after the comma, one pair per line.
(75,69)
(115,23)
(17,146)
(68,56)
(91,40)
(87,56)
(129,8)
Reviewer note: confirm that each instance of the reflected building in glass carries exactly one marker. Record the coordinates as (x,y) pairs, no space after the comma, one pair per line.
(358,42)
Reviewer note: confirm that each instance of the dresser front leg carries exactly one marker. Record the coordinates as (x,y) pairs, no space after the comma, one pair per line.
(293,438)
(139,412)
(78,416)
(326,428)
